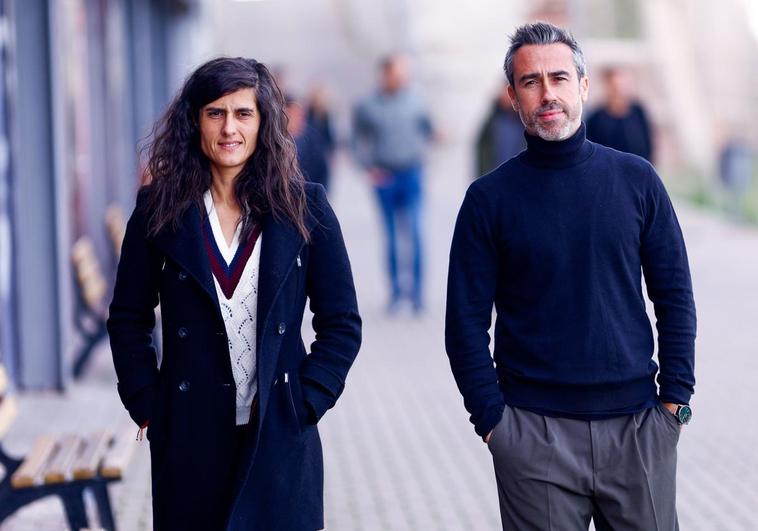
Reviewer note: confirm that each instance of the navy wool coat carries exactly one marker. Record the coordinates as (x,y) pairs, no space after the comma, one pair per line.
(190,398)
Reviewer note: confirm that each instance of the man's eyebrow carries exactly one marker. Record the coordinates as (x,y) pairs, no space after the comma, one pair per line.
(535,75)
(558,73)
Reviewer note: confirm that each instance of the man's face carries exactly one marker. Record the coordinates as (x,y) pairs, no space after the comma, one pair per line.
(295,118)
(546,92)
(395,75)
(229,131)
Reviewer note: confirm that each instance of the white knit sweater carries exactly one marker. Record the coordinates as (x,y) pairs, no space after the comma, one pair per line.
(240,315)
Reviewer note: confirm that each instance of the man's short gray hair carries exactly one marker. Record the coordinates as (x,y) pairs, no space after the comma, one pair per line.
(543,33)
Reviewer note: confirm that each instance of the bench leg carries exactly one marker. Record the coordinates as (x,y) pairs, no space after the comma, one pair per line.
(76,514)
(104,507)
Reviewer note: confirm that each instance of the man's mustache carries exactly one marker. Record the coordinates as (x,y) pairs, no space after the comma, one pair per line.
(554,106)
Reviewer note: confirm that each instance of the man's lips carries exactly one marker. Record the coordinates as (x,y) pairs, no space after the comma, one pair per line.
(550,115)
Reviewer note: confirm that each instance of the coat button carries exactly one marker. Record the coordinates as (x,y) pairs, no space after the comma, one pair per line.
(184,386)
(183,332)
(281,328)
(182,275)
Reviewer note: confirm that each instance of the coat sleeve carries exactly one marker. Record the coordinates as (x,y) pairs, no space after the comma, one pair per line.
(471,286)
(669,286)
(336,322)
(132,318)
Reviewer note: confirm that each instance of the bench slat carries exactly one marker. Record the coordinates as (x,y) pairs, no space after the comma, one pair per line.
(3,380)
(28,474)
(88,461)
(58,469)
(8,411)
(118,457)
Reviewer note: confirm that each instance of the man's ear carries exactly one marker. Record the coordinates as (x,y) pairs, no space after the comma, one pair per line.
(584,88)
(512,96)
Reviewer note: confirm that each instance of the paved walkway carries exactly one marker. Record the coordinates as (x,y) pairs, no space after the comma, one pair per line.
(400,453)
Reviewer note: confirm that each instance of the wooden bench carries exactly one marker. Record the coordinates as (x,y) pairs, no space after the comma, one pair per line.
(91,311)
(63,466)
(115,224)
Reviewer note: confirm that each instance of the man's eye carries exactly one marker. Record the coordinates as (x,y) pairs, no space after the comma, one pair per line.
(245,114)
(214,113)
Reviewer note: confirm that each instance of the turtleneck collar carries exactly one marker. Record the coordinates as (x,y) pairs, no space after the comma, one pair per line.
(557,154)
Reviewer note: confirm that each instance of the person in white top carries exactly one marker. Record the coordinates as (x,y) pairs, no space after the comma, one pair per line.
(231,241)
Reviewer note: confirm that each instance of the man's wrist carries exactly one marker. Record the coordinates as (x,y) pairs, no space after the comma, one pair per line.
(682,412)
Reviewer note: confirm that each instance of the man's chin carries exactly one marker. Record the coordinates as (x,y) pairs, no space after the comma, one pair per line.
(555,134)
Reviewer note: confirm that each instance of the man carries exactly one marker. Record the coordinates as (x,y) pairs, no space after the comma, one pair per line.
(621,123)
(501,136)
(557,237)
(391,129)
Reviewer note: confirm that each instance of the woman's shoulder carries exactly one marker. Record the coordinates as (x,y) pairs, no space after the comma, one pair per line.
(315,195)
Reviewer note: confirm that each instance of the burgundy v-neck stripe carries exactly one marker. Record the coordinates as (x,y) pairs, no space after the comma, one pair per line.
(228,276)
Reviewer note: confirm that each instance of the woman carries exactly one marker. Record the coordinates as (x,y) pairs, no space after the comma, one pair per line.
(230,240)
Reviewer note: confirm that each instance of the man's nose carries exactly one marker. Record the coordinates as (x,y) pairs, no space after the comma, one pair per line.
(547,93)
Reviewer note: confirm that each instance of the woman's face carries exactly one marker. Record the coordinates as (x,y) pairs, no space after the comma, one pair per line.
(229,131)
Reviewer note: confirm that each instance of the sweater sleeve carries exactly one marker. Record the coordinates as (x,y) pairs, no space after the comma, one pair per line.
(472,280)
(667,275)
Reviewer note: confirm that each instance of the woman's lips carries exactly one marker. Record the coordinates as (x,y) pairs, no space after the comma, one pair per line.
(230,146)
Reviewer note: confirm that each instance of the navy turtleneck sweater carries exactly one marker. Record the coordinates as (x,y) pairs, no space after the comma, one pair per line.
(558,238)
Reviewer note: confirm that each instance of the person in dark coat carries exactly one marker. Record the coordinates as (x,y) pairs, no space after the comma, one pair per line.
(312,150)
(621,122)
(230,240)
(501,136)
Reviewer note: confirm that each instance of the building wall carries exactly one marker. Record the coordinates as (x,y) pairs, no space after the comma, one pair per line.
(86,80)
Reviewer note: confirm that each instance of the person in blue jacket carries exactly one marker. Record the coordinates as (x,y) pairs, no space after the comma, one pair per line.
(231,241)
(581,421)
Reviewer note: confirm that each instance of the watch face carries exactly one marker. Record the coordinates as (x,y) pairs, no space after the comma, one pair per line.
(684,414)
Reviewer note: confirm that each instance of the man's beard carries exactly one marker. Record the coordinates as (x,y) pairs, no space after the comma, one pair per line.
(553,132)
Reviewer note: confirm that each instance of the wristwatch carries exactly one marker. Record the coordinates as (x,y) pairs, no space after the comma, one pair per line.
(683,414)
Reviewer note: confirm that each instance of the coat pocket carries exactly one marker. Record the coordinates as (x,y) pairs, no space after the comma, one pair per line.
(292,401)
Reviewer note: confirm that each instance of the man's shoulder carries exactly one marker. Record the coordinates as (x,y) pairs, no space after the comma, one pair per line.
(500,175)
(494,185)
(621,159)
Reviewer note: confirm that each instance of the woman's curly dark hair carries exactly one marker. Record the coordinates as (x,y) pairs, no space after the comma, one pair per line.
(178,172)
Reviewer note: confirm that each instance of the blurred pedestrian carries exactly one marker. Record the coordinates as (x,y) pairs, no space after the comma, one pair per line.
(735,172)
(229,239)
(312,151)
(556,239)
(320,117)
(391,131)
(501,136)
(621,121)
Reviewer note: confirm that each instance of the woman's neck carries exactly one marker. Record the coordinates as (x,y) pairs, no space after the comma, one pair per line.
(222,191)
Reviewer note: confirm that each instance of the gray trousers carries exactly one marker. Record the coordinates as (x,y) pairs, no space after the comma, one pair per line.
(557,474)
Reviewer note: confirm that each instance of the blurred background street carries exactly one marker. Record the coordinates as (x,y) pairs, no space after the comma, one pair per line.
(83,80)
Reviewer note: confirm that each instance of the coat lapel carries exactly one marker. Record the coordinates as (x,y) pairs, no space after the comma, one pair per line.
(185,247)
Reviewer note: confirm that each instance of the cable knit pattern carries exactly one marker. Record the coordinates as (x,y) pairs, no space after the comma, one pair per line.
(240,314)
